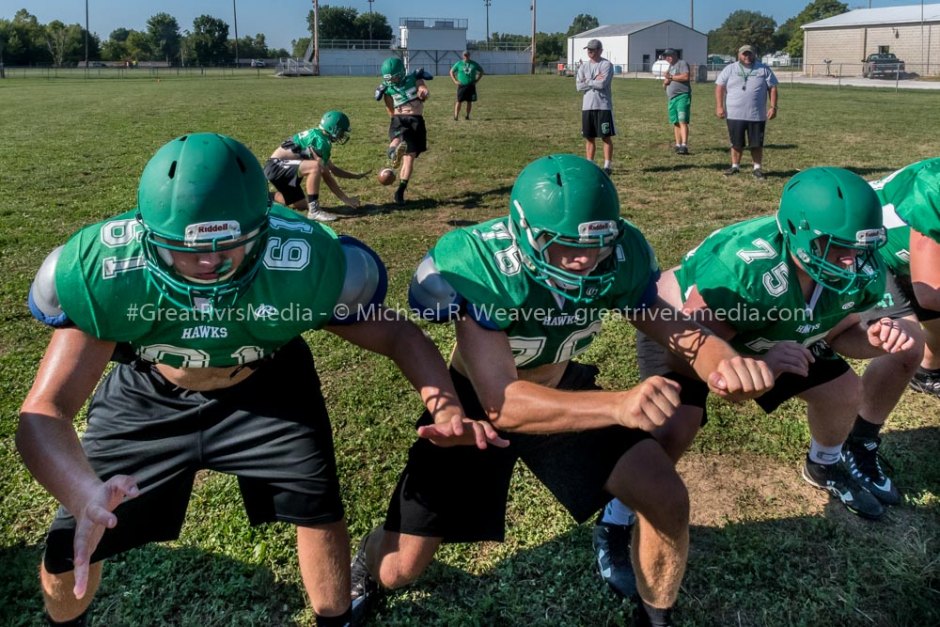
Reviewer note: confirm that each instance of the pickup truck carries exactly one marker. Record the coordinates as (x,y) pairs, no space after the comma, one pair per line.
(882,65)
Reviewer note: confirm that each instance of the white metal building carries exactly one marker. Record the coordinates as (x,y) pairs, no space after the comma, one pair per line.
(911,32)
(635,47)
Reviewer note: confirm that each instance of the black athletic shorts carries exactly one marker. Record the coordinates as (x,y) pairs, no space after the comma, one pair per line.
(828,366)
(412,130)
(284,175)
(899,301)
(597,123)
(271,431)
(459,493)
(737,129)
(467,93)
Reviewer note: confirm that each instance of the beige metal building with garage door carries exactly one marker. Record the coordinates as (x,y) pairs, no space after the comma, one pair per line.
(912,33)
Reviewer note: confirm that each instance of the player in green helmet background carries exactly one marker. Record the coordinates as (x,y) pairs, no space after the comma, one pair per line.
(910,201)
(211,287)
(306,155)
(527,294)
(403,95)
(788,290)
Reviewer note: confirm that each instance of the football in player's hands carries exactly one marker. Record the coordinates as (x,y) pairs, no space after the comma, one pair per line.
(386,176)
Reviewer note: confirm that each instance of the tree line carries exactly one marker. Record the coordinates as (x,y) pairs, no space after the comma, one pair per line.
(24,41)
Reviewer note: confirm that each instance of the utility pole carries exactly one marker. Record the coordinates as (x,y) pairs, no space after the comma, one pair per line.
(235,14)
(533,36)
(86,34)
(692,14)
(370,19)
(487,3)
(316,38)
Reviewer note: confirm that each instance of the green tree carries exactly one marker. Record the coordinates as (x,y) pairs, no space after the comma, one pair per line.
(743,27)
(299,47)
(790,35)
(336,23)
(138,46)
(26,41)
(164,32)
(582,22)
(549,47)
(379,23)
(64,42)
(210,40)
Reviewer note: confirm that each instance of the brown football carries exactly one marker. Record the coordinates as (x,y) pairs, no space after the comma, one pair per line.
(386,176)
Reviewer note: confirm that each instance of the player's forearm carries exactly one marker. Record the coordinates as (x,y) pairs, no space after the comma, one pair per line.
(52,453)
(419,360)
(526,407)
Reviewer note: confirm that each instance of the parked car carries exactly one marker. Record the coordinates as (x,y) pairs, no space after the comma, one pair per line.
(882,65)
(257,63)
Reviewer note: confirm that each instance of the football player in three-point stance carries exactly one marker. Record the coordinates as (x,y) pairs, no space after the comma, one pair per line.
(788,290)
(527,293)
(306,156)
(404,95)
(211,287)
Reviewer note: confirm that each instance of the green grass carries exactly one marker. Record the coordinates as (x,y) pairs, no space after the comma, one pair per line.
(766,549)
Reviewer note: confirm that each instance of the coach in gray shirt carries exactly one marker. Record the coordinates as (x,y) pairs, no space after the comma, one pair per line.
(597,116)
(741,92)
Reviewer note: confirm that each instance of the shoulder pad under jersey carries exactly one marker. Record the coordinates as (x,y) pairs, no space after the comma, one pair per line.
(365,284)
(43,297)
(430,295)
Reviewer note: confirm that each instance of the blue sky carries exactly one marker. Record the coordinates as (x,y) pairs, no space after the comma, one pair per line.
(284,20)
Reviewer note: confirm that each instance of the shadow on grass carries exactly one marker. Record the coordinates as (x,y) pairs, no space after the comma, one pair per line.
(468,199)
(158,585)
(808,570)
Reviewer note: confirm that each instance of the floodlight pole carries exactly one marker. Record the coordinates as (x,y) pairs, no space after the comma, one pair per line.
(487,3)
(533,36)
(692,14)
(235,14)
(370,19)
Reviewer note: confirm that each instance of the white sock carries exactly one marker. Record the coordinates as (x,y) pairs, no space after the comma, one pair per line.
(736,166)
(757,166)
(616,513)
(824,454)
(606,163)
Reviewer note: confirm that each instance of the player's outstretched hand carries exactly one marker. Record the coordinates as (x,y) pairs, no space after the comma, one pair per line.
(90,523)
(463,432)
(362,175)
(649,404)
(741,378)
(790,357)
(890,336)
(353,202)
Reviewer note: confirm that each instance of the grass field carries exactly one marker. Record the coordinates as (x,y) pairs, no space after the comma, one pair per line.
(766,548)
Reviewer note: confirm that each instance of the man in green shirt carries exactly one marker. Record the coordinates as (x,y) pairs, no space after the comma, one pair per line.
(465,74)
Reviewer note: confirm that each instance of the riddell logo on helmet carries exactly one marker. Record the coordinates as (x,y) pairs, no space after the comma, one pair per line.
(597,228)
(870,236)
(223,229)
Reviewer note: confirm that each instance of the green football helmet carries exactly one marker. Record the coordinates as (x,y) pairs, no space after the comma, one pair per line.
(393,70)
(203,193)
(568,200)
(336,126)
(825,207)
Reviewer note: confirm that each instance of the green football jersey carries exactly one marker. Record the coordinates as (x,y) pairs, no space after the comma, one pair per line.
(404,91)
(467,72)
(909,198)
(747,278)
(312,143)
(103,287)
(482,263)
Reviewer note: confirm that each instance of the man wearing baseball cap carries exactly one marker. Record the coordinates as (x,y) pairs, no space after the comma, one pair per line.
(743,87)
(677,82)
(597,115)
